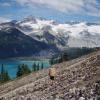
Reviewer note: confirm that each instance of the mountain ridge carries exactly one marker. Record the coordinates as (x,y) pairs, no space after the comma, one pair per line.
(14,43)
(54,36)
(62,33)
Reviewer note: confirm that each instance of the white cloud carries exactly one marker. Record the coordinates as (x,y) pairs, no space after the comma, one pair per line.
(6,4)
(2,19)
(82,7)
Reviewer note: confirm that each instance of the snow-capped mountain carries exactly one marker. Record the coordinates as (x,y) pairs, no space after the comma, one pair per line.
(14,43)
(80,34)
(61,35)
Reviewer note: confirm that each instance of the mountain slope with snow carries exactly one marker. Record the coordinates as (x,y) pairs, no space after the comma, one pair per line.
(13,43)
(80,34)
(52,36)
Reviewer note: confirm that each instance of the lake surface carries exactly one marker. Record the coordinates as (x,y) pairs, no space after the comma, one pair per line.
(11,66)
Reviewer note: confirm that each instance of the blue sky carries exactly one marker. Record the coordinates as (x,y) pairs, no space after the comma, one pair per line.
(60,10)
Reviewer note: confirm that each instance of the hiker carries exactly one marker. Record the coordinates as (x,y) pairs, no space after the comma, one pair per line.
(52,74)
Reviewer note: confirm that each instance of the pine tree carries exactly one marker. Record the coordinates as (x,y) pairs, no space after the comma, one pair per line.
(38,66)
(25,69)
(22,70)
(60,59)
(4,76)
(51,61)
(2,72)
(42,66)
(19,71)
(34,67)
(64,56)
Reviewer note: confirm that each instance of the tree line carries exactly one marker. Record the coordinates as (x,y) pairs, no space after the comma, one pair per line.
(22,69)
(71,53)
(4,76)
(61,58)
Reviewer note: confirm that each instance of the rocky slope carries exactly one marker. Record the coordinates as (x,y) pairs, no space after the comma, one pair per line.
(78,79)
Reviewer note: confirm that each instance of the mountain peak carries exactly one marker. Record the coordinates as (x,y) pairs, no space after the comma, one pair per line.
(33,18)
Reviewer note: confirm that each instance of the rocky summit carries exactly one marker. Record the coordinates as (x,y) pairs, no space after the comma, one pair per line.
(78,79)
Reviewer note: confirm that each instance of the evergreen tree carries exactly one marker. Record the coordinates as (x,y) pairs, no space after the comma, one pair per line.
(4,75)
(51,61)
(22,70)
(42,66)
(25,69)
(64,56)
(60,59)
(2,72)
(34,67)
(0,76)
(38,66)
(19,71)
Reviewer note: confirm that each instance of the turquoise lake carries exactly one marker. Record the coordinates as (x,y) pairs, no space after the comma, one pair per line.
(11,66)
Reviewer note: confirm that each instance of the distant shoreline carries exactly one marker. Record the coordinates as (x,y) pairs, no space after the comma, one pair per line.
(25,59)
